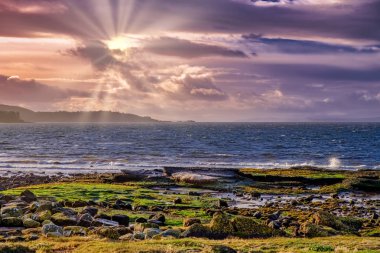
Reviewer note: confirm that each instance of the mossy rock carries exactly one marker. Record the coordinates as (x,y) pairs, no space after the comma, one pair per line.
(75,231)
(345,224)
(250,228)
(11,211)
(42,216)
(140,227)
(63,220)
(12,222)
(197,230)
(30,223)
(221,226)
(113,233)
(313,230)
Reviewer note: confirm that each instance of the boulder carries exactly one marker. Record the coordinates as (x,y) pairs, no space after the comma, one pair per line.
(222,203)
(346,224)
(221,226)
(250,228)
(190,221)
(12,222)
(62,219)
(150,232)
(90,210)
(140,227)
(159,217)
(171,233)
(30,223)
(104,222)
(112,232)
(121,219)
(312,230)
(197,230)
(85,220)
(141,220)
(11,211)
(42,216)
(52,230)
(138,236)
(43,206)
(28,196)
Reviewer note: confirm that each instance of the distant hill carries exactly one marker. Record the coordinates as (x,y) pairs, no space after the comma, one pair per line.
(10,117)
(71,117)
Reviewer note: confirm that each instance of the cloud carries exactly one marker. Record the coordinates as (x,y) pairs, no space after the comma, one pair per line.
(186,49)
(15,90)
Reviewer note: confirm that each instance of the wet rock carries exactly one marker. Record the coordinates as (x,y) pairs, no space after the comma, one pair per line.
(52,230)
(28,196)
(219,249)
(121,219)
(190,221)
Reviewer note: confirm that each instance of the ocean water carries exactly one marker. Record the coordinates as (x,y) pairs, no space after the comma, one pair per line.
(72,148)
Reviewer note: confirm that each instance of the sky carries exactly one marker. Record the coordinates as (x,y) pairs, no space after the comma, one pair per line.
(204,60)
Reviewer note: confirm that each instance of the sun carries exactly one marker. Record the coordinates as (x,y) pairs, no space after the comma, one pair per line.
(122,43)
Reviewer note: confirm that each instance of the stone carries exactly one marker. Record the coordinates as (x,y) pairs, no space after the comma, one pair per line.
(90,210)
(159,217)
(141,220)
(275,215)
(12,222)
(139,236)
(75,231)
(62,219)
(42,216)
(30,223)
(43,206)
(220,225)
(150,232)
(246,227)
(222,203)
(85,220)
(171,233)
(140,227)
(190,221)
(11,211)
(177,201)
(28,196)
(52,230)
(197,230)
(104,222)
(113,232)
(127,237)
(312,230)
(121,219)
(258,215)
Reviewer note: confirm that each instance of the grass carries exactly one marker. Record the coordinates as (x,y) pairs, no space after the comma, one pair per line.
(300,245)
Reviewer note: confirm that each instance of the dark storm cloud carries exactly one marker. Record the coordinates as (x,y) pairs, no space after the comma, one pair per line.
(14,89)
(354,20)
(187,49)
(290,46)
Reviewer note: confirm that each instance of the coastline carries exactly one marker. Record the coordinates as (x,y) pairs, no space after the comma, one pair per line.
(178,205)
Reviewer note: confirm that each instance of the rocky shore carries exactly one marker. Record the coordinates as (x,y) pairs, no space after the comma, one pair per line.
(182,204)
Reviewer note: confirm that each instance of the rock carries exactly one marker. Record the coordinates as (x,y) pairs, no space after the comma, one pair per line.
(222,203)
(197,230)
(28,196)
(347,224)
(140,227)
(105,222)
(62,219)
(258,215)
(43,206)
(90,210)
(221,226)
(190,221)
(75,231)
(12,222)
(127,237)
(30,223)
(150,232)
(85,220)
(112,232)
(52,230)
(139,236)
(177,201)
(79,203)
(219,249)
(42,216)
(121,219)
(119,204)
(171,233)
(159,217)
(11,211)
(312,230)
(374,216)
(246,227)
(274,224)
(141,220)
(275,215)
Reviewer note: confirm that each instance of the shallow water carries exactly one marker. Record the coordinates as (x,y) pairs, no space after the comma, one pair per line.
(111,147)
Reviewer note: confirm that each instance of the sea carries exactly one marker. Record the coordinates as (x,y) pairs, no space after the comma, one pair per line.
(100,147)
